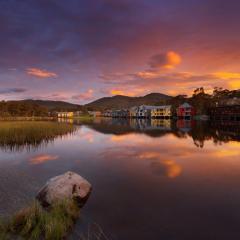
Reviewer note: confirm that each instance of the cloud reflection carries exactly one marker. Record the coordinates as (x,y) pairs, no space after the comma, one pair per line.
(42,158)
(168,168)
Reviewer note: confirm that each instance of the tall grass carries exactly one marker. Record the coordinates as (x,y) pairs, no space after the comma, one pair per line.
(16,135)
(36,223)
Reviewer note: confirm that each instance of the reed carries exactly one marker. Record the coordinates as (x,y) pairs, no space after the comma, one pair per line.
(35,222)
(15,135)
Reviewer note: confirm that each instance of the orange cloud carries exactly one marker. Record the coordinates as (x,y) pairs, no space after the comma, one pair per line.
(234,84)
(40,73)
(175,83)
(173,59)
(160,62)
(43,158)
(121,91)
(233,79)
(167,60)
(117,92)
(227,75)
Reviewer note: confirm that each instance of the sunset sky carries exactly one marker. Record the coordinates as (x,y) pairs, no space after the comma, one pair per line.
(80,50)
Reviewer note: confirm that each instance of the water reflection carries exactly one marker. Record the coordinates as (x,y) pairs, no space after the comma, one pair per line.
(161,166)
(168,168)
(42,158)
(151,179)
(32,136)
(199,131)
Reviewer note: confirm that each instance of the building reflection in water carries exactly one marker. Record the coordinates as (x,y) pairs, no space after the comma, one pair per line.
(185,125)
(199,131)
(65,120)
(150,124)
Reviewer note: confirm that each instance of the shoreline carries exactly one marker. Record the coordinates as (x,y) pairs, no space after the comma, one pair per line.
(27,118)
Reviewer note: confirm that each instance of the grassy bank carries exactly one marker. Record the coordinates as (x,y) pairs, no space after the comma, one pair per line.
(26,118)
(85,117)
(16,134)
(35,223)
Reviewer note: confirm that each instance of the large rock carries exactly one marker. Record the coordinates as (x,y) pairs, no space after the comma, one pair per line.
(66,186)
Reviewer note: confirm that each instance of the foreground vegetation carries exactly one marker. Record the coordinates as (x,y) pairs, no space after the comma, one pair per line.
(35,223)
(14,135)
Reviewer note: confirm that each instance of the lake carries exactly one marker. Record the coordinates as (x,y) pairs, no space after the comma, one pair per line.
(152,179)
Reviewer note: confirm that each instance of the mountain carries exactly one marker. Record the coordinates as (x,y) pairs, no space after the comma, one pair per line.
(119,101)
(55,105)
(115,102)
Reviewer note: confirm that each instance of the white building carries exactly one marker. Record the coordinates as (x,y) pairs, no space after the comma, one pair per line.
(144,111)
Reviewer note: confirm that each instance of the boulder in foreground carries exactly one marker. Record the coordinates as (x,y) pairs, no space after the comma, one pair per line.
(69,185)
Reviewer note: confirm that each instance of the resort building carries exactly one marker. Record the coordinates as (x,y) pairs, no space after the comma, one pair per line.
(65,114)
(123,113)
(78,113)
(95,113)
(144,111)
(133,112)
(225,113)
(107,113)
(162,112)
(185,111)
(229,101)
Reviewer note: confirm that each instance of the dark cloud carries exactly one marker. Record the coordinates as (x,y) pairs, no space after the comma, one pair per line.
(165,60)
(158,60)
(97,36)
(38,32)
(42,31)
(12,90)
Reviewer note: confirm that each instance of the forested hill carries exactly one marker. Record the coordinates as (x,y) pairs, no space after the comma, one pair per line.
(35,107)
(21,108)
(199,99)
(119,101)
(54,105)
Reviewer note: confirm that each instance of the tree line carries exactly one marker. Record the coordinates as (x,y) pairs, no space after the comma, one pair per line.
(202,101)
(19,108)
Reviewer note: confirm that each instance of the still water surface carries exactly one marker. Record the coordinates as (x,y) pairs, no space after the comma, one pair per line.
(151,179)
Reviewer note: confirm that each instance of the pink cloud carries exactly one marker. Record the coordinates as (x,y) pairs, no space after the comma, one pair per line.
(172,83)
(88,95)
(40,73)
